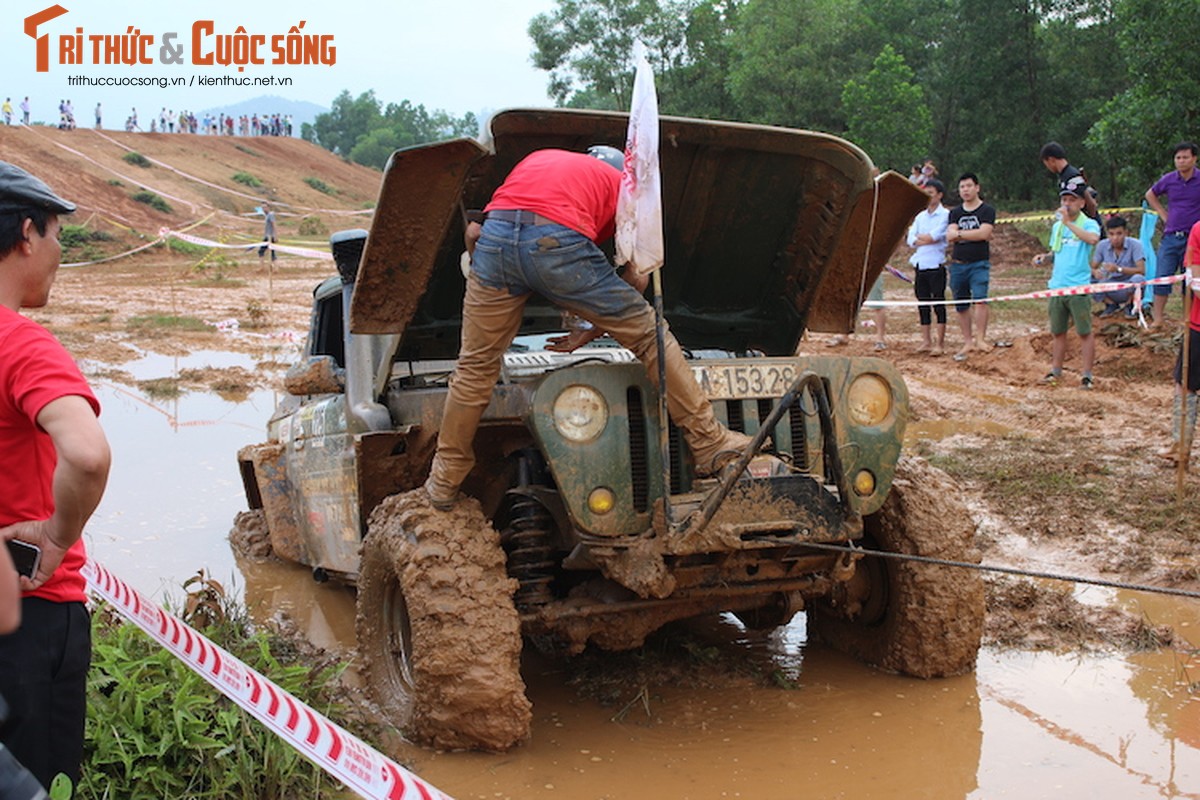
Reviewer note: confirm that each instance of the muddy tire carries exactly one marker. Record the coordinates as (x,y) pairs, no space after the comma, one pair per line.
(436,626)
(923,620)
(249,535)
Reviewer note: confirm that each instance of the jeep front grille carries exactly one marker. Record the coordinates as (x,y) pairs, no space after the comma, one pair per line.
(790,439)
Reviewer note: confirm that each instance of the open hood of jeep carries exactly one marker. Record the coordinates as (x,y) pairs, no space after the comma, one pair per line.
(768,230)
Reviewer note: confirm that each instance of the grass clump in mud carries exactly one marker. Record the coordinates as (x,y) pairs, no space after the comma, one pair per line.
(156,729)
(1044,615)
(154,201)
(161,388)
(79,242)
(137,159)
(185,248)
(321,186)
(246,179)
(167,322)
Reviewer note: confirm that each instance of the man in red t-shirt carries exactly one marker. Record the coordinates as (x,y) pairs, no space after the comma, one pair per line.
(540,234)
(1187,402)
(54,463)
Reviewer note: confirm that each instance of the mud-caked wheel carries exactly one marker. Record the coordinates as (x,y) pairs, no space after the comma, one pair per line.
(918,619)
(436,626)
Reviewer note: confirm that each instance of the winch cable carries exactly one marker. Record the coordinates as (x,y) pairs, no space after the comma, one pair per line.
(1028,573)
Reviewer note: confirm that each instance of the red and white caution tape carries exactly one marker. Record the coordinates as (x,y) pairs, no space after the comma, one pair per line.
(303,252)
(1087,288)
(364,770)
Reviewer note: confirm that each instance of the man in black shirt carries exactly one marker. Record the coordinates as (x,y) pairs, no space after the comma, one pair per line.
(969,233)
(1054,158)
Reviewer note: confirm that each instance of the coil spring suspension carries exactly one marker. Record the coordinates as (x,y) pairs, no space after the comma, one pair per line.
(530,554)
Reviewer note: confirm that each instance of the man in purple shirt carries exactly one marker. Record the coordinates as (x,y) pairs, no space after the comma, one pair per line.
(1182,190)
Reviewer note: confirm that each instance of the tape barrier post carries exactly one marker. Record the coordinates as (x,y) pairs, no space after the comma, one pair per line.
(364,770)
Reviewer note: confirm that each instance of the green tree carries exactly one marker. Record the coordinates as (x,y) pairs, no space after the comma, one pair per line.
(886,113)
(792,58)
(587,47)
(347,120)
(359,130)
(1161,105)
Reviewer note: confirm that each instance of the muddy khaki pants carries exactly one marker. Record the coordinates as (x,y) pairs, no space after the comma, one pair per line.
(491,319)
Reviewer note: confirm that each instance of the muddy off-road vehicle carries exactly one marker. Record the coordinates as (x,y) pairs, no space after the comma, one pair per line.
(585,522)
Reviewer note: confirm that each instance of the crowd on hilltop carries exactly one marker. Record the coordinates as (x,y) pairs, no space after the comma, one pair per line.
(167,121)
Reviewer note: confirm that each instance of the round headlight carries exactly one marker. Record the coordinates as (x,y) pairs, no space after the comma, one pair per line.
(580,413)
(870,400)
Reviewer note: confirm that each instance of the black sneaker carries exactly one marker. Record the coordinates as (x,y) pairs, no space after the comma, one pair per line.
(1049,379)
(1109,310)
(1087,383)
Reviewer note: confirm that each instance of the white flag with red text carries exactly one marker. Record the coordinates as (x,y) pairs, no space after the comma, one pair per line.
(639,236)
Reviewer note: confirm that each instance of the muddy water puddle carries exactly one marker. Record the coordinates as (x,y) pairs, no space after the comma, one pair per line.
(1024,725)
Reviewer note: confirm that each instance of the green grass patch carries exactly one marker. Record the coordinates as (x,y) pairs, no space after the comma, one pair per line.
(114,182)
(313,226)
(321,186)
(186,248)
(168,322)
(248,151)
(137,159)
(153,200)
(156,729)
(246,179)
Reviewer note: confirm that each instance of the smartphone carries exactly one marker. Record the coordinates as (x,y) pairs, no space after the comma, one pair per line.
(25,556)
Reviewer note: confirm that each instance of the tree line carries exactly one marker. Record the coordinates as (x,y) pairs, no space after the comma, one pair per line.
(977,87)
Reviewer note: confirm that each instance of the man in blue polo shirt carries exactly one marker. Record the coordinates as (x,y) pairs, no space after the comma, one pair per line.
(1071,242)
(1182,190)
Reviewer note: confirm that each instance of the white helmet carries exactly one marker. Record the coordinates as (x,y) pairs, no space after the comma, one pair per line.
(609,155)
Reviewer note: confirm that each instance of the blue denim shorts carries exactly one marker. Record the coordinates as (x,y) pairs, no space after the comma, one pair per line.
(560,264)
(1170,259)
(969,281)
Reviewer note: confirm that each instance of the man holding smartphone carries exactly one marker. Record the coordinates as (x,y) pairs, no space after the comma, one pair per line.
(54,462)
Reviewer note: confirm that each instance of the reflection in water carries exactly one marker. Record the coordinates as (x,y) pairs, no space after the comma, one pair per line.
(174,485)
(1026,725)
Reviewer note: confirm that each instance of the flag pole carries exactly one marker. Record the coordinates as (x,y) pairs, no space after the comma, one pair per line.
(664,432)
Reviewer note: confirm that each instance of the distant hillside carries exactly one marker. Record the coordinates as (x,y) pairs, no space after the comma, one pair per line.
(302,111)
(197,176)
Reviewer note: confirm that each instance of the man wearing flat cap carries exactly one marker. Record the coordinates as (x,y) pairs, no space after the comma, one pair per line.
(1071,241)
(54,463)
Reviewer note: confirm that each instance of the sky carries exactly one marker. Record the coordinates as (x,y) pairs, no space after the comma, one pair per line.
(469,55)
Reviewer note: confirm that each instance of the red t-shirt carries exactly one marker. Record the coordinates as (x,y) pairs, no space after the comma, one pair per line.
(573,189)
(1192,259)
(35,370)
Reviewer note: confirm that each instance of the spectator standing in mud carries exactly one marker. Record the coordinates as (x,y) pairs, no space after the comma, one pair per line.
(98,125)
(1071,242)
(1181,187)
(565,202)
(1186,404)
(1054,159)
(1119,258)
(54,462)
(7,110)
(268,231)
(928,235)
(25,110)
(970,233)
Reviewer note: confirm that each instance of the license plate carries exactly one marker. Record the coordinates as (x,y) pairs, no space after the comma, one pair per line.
(737,381)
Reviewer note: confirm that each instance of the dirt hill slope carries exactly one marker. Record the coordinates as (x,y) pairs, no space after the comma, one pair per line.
(193,174)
